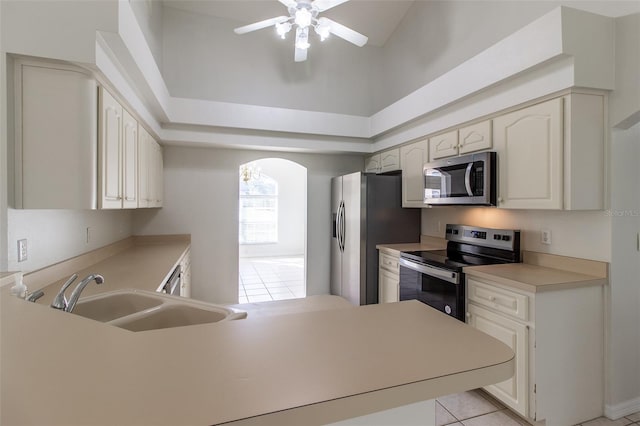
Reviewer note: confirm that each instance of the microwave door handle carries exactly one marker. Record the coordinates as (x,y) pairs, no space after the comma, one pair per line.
(467,179)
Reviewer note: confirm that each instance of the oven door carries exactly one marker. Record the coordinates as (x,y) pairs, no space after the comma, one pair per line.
(439,288)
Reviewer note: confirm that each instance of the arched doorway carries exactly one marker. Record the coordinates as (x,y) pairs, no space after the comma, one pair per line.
(272,230)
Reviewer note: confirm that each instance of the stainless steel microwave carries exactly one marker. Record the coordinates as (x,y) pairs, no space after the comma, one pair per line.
(468,180)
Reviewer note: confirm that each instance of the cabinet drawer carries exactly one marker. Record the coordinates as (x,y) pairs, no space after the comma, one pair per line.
(390,263)
(499,299)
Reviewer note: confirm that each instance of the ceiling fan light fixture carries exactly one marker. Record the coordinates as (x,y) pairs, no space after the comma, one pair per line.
(283,28)
(302,39)
(323,30)
(303,18)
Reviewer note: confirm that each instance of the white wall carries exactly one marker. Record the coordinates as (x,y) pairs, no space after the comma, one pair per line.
(56,235)
(436,36)
(3,152)
(201,199)
(582,234)
(624,314)
(292,209)
(624,340)
(149,16)
(204,59)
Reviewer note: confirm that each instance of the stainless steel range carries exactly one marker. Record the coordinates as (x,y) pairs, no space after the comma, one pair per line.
(436,277)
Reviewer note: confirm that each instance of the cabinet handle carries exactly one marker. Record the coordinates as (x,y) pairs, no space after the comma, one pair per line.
(492,298)
(468,315)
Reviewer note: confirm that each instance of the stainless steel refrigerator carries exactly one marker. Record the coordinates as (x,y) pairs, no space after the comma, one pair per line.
(366,211)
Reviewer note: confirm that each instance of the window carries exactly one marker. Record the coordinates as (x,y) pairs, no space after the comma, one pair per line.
(258,210)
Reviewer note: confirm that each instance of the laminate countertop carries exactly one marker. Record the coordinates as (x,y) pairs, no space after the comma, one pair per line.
(533,278)
(302,368)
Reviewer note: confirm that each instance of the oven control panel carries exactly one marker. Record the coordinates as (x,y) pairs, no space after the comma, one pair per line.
(505,239)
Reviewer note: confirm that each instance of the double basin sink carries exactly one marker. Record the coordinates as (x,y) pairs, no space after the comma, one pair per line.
(141,310)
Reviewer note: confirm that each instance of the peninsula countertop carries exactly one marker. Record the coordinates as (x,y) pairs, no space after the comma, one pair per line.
(323,365)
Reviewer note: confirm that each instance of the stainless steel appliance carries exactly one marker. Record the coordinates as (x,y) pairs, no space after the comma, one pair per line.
(172,286)
(469,179)
(436,277)
(366,210)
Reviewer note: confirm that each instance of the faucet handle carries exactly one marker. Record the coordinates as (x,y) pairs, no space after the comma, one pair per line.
(60,301)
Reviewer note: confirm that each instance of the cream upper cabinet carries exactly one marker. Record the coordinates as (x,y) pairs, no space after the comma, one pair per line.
(76,146)
(390,160)
(475,137)
(413,157)
(150,183)
(56,148)
(372,164)
(551,155)
(443,145)
(529,143)
(129,161)
(117,154)
(109,151)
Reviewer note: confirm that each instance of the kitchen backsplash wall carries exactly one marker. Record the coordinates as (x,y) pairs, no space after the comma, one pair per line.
(585,234)
(56,235)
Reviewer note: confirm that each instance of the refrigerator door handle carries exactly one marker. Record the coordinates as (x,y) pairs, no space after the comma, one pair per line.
(341,225)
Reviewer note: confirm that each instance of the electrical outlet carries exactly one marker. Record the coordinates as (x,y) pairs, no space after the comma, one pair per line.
(22,250)
(545,236)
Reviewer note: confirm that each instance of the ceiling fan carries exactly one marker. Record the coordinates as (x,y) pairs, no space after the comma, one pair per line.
(303,14)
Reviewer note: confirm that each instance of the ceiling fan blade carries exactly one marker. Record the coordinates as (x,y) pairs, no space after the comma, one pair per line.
(300,55)
(345,32)
(323,5)
(260,25)
(288,3)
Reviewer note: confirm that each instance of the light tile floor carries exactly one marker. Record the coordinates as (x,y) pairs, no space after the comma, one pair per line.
(478,408)
(264,279)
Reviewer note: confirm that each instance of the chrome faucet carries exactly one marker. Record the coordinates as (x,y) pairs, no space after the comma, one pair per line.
(60,301)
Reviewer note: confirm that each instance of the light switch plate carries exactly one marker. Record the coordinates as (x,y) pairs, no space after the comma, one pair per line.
(22,250)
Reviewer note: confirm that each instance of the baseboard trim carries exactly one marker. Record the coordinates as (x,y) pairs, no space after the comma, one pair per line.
(625,408)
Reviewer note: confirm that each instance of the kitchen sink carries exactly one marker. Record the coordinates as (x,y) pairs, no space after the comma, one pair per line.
(140,310)
(172,316)
(112,306)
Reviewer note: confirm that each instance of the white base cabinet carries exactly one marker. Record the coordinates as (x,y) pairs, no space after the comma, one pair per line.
(388,276)
(558,341)
(185,275)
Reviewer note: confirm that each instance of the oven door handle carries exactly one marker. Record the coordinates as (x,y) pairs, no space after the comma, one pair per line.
(443,274)
(467,179)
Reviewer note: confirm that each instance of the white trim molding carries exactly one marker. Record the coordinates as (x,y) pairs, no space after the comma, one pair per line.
(622,409)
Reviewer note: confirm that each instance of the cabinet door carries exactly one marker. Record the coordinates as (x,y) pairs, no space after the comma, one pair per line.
(129,161)
(514,391)
(372,164)
(444,145)
(413,157)
(390,160)
(475,137)
(143,167)
(529,143)
(110,138)
(388,287)
(158,176)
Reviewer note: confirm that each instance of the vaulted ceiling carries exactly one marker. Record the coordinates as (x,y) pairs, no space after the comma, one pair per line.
(375,19)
